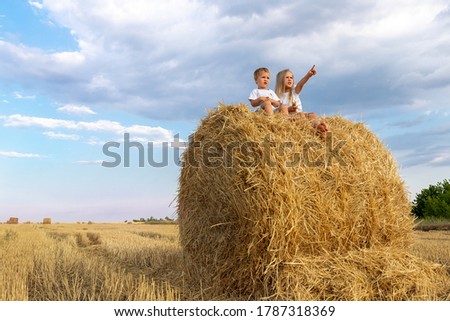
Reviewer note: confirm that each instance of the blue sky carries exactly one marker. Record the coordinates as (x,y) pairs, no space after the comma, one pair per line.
(77,74)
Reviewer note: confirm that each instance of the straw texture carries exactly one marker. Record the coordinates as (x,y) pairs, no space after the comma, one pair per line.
(269,210)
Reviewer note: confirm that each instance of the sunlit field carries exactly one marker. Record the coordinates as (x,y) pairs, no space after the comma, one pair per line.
(115,261)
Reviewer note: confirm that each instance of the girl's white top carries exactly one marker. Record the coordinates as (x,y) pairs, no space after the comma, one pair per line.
(284,99)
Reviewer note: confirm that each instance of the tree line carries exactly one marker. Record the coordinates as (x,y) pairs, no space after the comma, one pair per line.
(152,220)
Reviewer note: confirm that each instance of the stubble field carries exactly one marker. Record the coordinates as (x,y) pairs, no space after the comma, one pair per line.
(116,261)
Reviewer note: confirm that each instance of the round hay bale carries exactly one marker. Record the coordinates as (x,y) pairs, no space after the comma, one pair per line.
(258,193)
(13,220)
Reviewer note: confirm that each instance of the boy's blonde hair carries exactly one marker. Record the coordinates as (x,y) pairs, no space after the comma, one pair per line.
(279,85)
(259,70)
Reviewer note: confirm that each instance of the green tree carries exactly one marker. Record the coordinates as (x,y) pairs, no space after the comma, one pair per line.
(433,201)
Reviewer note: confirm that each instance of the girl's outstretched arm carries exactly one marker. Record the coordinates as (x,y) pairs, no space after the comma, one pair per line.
(302,82)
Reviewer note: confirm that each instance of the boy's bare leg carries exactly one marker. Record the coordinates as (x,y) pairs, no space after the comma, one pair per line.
(267,107)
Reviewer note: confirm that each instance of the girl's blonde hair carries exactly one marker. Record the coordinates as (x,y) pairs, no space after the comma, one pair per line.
(279,85)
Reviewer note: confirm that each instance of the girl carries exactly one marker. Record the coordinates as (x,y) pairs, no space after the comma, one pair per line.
(290,96)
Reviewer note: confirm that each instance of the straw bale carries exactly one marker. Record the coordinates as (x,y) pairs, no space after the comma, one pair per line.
(47,220)
(13,220)
(258,194)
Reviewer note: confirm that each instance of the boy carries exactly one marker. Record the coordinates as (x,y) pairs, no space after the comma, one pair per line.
(263,98)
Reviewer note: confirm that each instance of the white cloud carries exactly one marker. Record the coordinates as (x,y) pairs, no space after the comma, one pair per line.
(101,125)
(61,136)
(19,155)
(17,120)
(94,141)
(36,4)
(18,95)
(441,159)
(156,134)
(173,59)
(145,130)
(68,58)
(130,54)
(76,110)
(89,162)
(394,20)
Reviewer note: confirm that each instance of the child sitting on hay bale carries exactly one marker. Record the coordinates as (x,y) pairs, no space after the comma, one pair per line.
(262,97)
(290,97)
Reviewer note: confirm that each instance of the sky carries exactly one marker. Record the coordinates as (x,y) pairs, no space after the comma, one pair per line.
(75,75)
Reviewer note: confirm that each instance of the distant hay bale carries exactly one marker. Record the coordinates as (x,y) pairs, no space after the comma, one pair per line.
(268,210)
(13,220)
(47,221)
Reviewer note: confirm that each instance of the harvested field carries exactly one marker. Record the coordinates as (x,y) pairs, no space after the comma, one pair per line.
(44,263)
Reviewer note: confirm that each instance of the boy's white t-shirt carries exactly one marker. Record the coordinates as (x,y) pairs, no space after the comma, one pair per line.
(256,93)
(295,97)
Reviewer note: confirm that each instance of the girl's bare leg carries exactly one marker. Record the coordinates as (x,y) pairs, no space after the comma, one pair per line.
(283,110)
(267,107)
(317,123)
